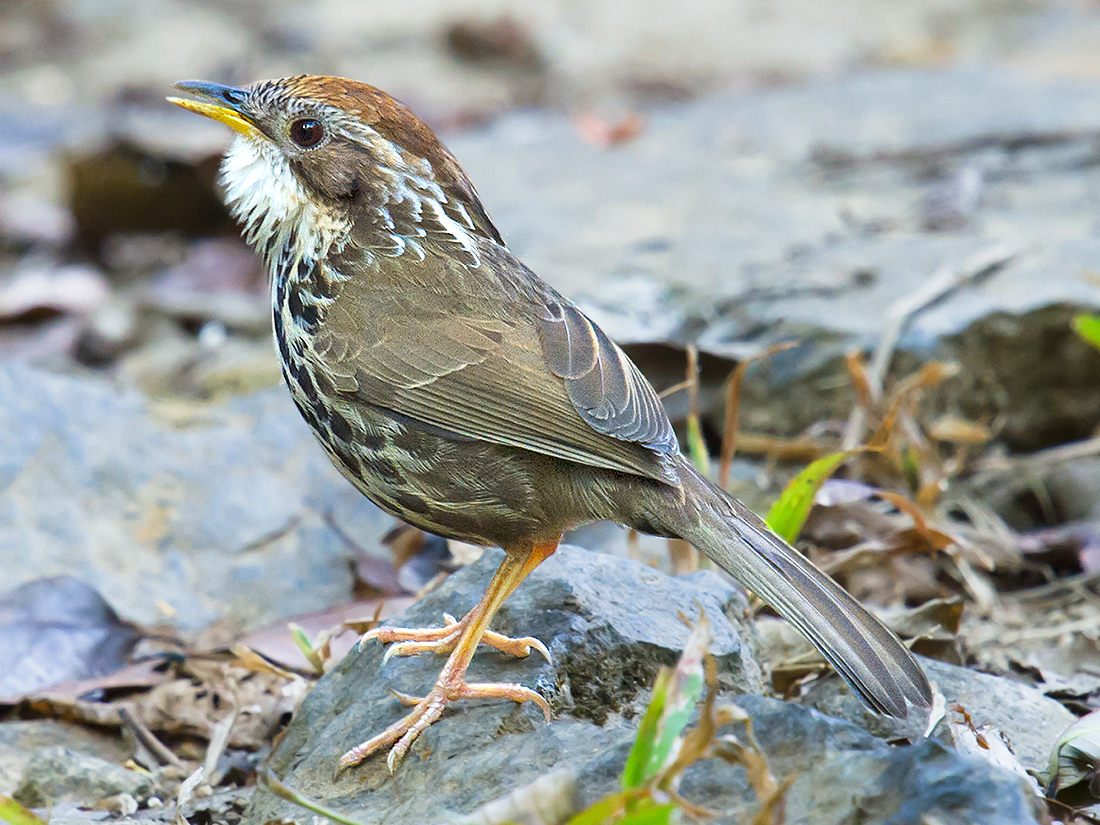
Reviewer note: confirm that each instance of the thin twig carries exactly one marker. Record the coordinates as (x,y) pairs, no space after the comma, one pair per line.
(731,425)
(1029,471)
(841,159)
(1045,459)
(675,388)
(219,734)
(691,379)
(1039,634)
(219,739)
(148,739)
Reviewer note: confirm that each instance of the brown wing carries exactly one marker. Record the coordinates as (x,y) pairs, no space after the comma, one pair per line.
(511,365)
(604,386)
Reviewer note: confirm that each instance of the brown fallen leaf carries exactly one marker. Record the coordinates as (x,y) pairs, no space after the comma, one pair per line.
(601,132)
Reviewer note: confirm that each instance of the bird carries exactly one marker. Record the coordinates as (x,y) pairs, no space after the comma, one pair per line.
(461,393)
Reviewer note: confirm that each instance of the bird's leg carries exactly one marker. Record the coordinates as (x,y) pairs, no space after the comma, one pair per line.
(451,684)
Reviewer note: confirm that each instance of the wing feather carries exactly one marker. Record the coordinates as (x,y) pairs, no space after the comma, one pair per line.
(604,385)
(539,376)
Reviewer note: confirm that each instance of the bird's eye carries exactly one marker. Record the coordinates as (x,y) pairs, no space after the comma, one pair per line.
(307,132)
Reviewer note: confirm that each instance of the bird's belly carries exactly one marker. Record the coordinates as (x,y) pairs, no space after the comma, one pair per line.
(455,487)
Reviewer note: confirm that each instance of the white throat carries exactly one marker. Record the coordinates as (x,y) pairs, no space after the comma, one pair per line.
(274,208)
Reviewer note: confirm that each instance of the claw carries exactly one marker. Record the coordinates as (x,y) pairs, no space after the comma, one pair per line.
(407,698)
(427,711)
(520,648)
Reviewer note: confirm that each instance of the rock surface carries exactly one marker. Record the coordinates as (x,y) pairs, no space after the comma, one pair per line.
(842,774)
(219,511)
(55,774)
(20,741)
(738,220)
(59,629)
(608,623)
(1030,720)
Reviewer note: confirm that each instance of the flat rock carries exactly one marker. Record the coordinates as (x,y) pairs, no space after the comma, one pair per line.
(1029,719)
(608,622)
(21,740)
(842,774)
(757,213)
(57,774)
(228,510)
(797,214)
(58,629)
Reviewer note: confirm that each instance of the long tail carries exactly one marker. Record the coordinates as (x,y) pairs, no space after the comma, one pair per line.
(861,648)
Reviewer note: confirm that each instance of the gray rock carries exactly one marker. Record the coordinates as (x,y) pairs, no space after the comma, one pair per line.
(219,510)
(710,222)
(21,740)
(832,757)
(1030,371)
(930,783)
(1074,487)
(1031,721)
(844,775)
(58,629)
(57,774)
(609,624)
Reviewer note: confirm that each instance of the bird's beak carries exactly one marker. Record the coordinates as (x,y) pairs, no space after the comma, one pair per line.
(221,103)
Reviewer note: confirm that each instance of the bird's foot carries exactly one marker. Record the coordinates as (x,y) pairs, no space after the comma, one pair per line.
(405,641)
(400,736)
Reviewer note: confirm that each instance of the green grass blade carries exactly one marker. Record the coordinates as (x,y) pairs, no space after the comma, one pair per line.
(675,695)
(697,445)
(635,771)
(268,780)
(655,815)
(685,689)
(609,808)
(15,814)
(789,513)
(306,646)
(1088,327)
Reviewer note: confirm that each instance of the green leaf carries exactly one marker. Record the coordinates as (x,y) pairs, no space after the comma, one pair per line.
(605,809)
(15,814)
(675,695)
(788,515)
(697,445)
(685,689)
(1088,327)
(306,646)
(635,771)
(655,815)
(643,810)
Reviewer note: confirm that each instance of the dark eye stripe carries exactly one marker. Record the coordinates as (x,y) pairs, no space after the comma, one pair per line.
(307,132)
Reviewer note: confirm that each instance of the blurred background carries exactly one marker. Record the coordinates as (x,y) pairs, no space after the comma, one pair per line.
(908,191)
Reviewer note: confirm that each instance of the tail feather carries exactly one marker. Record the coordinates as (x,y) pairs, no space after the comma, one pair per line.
(861,648)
